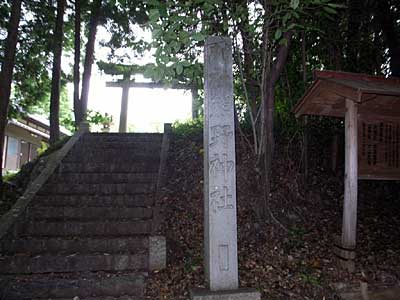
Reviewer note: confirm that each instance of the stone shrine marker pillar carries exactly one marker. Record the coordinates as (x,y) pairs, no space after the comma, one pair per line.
(220,228)
(220,240)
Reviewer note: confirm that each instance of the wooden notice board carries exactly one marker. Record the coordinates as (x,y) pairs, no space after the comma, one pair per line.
(378,148)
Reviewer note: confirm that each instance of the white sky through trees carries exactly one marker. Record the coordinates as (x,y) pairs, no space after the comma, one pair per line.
(148,109)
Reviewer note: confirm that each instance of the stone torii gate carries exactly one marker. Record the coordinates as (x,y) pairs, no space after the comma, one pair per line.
(127,83)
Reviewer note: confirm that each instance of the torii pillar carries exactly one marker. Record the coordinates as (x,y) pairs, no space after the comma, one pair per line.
(123,117)
(125,84)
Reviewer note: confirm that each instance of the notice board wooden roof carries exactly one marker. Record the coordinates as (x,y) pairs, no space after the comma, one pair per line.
(326,96)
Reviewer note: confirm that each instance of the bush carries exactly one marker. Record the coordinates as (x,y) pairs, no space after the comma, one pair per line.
(189,129)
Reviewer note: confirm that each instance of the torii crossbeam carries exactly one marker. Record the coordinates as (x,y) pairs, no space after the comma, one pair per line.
(126,84)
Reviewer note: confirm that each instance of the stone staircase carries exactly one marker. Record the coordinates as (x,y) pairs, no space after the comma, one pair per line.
(88,232)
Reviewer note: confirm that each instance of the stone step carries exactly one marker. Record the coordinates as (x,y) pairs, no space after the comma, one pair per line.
(96,188)
(86,167)
(84,286)
(108,245)
(114,156)
(86,148)
(100,298)
(135,200)
(121,139)
(104,178)
(94,140)
(89,213)
(115,136)
(20,264)
(85,229)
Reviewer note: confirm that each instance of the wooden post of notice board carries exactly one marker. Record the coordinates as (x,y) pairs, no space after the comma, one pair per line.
(346,249)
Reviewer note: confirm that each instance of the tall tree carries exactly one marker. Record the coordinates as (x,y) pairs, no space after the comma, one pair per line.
(262,32)
(77,61)
(270,76)
(34,61)
(89,57)
(7,70)
(357,11)
(118,20)
(56,74)
(391,32)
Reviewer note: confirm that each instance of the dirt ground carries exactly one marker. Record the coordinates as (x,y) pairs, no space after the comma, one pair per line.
(290,255)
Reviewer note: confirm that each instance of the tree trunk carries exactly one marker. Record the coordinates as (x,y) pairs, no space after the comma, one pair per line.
(354,35)
(305,118)
(7,70)
(269,108)
(388,25)
(248,63)
(335,153)
(56,76)
(89,58)
(77,61)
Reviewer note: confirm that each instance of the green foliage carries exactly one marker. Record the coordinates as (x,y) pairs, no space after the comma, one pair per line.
(310,279)
(43,147)
(93,118)
(120,17)
(180,28)
(58,145)
(121,69)
(334,40)
(178,39)
(33,59)
(188,129)
(43,108)
(286,123)
(9,177)
(295,238)
(69,122)
(192,263)
(97,118)
(46,149)
(31,77)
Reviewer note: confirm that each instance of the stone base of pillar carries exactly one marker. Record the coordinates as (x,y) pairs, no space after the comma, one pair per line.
(345,257)
(239,294)
(346,264)
(157,253)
